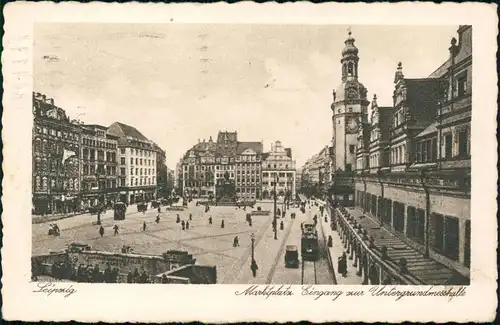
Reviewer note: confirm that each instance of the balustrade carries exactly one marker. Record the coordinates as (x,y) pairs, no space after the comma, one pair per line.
(371,262)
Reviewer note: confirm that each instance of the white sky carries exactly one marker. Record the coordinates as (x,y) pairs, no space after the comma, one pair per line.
(180,83)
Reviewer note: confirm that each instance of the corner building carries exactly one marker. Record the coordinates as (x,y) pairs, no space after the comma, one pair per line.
(137,163)
(413,160)
(56,158)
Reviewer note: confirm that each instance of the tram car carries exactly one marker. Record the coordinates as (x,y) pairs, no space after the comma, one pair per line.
(119,211)
(309,242)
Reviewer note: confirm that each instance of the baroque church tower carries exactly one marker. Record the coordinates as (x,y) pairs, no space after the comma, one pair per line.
(350,109)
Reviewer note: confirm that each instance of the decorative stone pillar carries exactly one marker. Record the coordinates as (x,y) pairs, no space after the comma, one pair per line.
(353,247)
(361,260)
(356,257)
(374,274)
(366,269)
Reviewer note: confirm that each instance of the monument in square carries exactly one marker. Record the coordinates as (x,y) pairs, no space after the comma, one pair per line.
(225,191)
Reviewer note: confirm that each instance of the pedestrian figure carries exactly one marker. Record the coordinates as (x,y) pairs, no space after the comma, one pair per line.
(130,277)
(190,217)
(99,217)
(159,209)
(116,229)
(210,220)
(222,224)
(187,225)
(101,231)
(136,275)
(330,241)
(326,219)
(158,218)
(236,242)
(107,274)
(342,265)
(254,268)
(281,225)
(144,226)
(183,224)
(178,219)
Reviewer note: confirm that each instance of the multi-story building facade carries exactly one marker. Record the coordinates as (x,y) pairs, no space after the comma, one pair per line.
(207,162)
(197,170)
(278,171)
(137,163)
(413,160)
(56,158)
(178,181)
(316,174)
(248,170)
(161,172)
(99,166)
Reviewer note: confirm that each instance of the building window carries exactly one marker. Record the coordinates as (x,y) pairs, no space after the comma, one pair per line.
(467,244)
(448,145)
(463,143)
(445,235)
(352,148)
(348,167)
(451,239)
(462,85)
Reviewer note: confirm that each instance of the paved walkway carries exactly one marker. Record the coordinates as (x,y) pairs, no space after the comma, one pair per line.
(336,251)
(424,269)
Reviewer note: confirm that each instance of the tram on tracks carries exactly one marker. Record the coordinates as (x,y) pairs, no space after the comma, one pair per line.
(310,242)
(309,249)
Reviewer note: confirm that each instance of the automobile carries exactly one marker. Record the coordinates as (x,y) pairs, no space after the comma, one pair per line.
(78,247)
(291,256)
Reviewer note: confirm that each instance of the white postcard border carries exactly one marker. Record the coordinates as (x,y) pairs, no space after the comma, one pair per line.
(218,303)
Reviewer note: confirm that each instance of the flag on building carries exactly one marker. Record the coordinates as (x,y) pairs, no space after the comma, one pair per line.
(67,154)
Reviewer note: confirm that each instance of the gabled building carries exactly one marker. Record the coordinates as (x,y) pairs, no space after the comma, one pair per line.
(278,168)
(248,170)
(197,175)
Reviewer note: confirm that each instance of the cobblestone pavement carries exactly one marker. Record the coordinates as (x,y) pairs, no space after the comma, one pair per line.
(209,244)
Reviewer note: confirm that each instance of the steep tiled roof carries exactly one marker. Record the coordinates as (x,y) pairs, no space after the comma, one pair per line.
(202,147)
(255,146)
(122,130)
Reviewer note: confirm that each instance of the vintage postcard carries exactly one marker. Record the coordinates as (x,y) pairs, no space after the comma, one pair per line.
(249,162)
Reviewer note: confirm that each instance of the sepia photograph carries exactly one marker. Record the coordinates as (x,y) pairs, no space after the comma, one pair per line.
(251,154)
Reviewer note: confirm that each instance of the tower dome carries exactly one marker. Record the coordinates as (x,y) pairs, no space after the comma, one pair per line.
(350,49)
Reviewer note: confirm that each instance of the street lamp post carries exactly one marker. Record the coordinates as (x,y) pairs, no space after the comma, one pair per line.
(275,220)
(252,237)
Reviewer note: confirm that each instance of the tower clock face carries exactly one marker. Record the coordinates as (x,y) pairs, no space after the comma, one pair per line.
(352,125)
(352,94)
